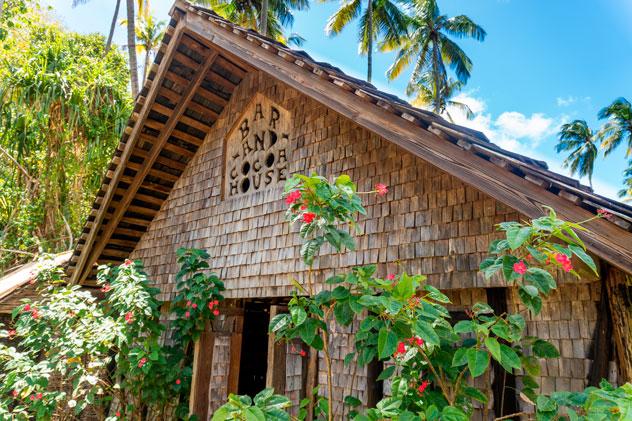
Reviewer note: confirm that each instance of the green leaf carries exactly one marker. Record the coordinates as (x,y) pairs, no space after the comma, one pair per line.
(474,393)
(307,331)
(544,349)
(464,326)
(298,315)
(388,372)
(584,257)
(482,308)
(343,313)
(405,288)
(508,271)
(477,361)
(386,343)
(516,236)
(541,279)
(424,330)
(460,357)
(509,358)
(279,322)
(494,348)
(451,413)
(340,293)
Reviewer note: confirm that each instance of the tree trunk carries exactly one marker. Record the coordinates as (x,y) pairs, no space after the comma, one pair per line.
(146,65)
(131,47)
(263,21)
(108,43)
(369,69)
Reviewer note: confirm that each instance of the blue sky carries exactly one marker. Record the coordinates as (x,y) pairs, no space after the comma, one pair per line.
(544,62)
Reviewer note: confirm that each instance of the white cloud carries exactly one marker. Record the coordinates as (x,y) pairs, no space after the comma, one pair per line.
(520,133)
(570,100)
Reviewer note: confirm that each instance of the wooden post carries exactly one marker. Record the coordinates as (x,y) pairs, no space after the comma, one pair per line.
(312,381)
(236,339)
(620,298)
(602,338)
(201,376)
(276,370)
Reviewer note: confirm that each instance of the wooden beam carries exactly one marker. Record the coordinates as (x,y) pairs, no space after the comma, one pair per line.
(276,370)
(152,154)
(85,256)
(603,238)
(201,374)
(619,286)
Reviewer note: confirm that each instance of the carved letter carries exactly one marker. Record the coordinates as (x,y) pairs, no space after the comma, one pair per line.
(268,178)
(244,129)
(274,117)
(233,188)
(282,157)
(256,165)
(256,181)
(281,174)
(258,113)
(233,173)
(259,141)
(246,145)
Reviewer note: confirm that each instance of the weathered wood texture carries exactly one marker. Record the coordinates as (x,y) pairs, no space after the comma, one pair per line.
(430,222)
(620,298)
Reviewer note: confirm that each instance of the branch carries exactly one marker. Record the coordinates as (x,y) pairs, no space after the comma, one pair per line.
(17,164)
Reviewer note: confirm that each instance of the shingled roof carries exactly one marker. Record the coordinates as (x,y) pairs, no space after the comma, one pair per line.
(201,61)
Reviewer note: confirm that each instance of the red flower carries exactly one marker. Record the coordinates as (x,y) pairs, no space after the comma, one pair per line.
(11,333)
(27,307)
(127,262)
(142,362)
(38,396)
(118,413)
(561,258)
(292,197)
(32,397)
(308,217)
(390,276)
(302,353)
(520,268)
(381,189)
(416,340)
(106,288)
(35,314)
(567,266)
(210,305)
(188,303)
(129,317)
(216,302)
(401,349)
(14,393)
(303,207)
(604,213)
(194,305)
(177,381)
(422,387)
(187,314)
(216,312)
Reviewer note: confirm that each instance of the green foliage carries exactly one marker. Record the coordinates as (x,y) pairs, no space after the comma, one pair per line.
(63,107)
(111,351)
(266,406)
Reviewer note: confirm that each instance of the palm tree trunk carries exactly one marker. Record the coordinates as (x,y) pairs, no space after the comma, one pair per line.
(108,43)
(146,65)
(369,70)
(263,21)
(131,47)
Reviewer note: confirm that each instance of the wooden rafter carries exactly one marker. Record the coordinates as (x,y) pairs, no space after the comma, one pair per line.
(152,155)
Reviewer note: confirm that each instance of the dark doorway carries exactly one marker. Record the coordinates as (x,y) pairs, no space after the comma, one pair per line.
(254,349)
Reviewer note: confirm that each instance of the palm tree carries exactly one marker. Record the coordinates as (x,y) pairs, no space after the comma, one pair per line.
(251,14)
(429,46)
(423,92)
(108,43)
(383,19)
(578,139)
(149,33)
(618,128)
(626,191)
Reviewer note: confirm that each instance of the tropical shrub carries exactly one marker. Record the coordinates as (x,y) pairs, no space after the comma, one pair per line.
(69,351)
(430,361)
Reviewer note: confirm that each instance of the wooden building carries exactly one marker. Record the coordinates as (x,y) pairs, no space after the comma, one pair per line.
(227,114)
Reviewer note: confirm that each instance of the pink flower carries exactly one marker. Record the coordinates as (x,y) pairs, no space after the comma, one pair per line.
(422,387)
(11,333)
(127,262)
(35,314)
(216,302)
(303,207)
(561,258)
(390,277)
(188,303)
(142,362)
(32,397)
(567,266)
(308,217)
(604,213)
(292,197)
(194,305)
(14,393)
(401,348)
(129,317)
(520,268)
(210,305)
(302,353)
(178,381)
(187,314)
(118,413)
(39,396)
(106,288)
(27,307)
(381,189)
(216,312)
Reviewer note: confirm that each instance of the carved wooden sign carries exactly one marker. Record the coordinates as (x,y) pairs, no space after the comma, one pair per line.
(256,148)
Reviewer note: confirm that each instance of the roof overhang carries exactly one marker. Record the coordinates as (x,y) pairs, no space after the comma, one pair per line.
(522,183)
